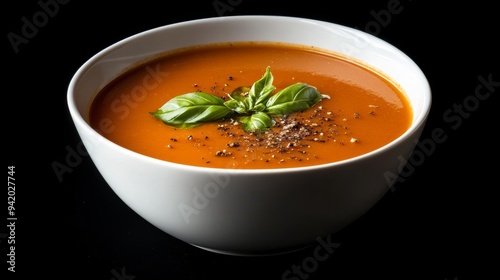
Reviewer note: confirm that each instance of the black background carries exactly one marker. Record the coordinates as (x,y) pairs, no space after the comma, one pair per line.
(437,224)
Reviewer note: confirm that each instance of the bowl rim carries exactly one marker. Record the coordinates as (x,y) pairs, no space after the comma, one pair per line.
(82,123)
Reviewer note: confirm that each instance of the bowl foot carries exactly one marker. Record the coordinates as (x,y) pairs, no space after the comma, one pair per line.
(252,253)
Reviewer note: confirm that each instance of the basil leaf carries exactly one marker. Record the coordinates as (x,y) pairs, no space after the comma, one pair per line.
(256,123)
(245,100)
(255,105)
(240,93)
(236,106)
(192,109)
(294,98)
(238,100)
(261,90)
(259,107)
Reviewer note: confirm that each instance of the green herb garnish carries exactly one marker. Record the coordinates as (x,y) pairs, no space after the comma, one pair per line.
(254,107)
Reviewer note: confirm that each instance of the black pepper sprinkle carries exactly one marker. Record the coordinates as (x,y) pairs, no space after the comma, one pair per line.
(223,153)
(222,128)
(233,144)
(289,139)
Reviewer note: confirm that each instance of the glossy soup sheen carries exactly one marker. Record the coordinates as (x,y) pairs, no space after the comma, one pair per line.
(365,111)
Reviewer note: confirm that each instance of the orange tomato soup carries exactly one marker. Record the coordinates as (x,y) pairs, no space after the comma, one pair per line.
(365,111)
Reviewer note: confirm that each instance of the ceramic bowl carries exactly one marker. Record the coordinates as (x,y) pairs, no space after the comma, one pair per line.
(249,212)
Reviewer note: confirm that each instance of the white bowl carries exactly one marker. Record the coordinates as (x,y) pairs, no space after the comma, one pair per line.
(248,212)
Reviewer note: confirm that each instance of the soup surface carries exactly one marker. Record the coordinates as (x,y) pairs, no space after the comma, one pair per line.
(364,111)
